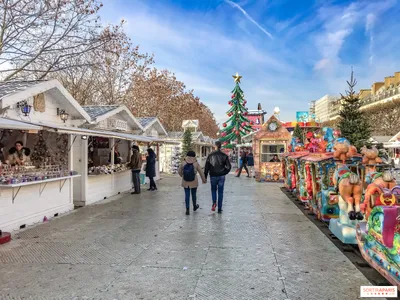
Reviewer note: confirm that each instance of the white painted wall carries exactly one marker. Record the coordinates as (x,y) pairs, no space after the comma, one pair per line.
(104,186)
(30,207)
(49,116)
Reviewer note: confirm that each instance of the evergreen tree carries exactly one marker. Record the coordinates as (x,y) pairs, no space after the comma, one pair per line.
(353,123)
(298,133)
(175,160)
(187,142)
(238,124)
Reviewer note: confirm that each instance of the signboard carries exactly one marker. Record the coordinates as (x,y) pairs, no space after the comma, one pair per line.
(302,116)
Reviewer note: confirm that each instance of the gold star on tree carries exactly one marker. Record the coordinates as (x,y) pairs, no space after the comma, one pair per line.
(237,77)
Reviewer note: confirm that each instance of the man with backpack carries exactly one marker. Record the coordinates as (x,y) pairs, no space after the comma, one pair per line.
(188,171)
(217,165)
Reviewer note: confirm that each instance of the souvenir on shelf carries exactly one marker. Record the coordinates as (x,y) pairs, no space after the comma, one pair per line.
(107,169)
(24,174)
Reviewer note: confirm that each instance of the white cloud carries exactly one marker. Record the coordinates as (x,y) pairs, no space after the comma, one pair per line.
(204,50)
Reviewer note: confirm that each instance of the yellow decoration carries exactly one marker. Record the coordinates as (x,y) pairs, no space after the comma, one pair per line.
(237,77)
(39,103)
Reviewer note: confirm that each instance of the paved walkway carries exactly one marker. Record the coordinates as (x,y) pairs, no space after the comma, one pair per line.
(144,247)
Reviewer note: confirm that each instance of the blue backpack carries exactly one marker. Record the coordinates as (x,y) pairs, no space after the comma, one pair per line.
(188,172)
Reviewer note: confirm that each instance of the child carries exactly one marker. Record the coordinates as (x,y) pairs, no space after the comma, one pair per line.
(188,171)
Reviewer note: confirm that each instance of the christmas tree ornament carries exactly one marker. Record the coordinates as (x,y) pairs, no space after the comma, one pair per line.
(237,77)
(233,96)
(224,125)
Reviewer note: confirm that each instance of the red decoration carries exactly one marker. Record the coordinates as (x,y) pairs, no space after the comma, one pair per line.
(224,124)
(244,124)
(245,113)
(233,96)
(223,134)
(237,132)
(230,103)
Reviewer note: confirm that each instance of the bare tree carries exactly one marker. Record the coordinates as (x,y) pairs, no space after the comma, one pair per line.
(39,37)
(104,76)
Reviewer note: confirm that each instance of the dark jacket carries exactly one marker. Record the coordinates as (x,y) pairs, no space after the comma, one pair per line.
(217,164)
(151,165)
(243,156)
(117,158)
(2,157)
(250,160)
(14,156)
(136,161)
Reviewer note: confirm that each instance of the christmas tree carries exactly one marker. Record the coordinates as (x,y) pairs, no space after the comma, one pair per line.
(237,125)
(175,160)
(187,142)
(353,124)
(298,133)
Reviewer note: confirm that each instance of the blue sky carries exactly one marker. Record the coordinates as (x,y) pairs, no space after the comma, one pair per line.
(289,52)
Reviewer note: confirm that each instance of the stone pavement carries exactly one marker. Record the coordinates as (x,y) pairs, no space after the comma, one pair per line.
(145,247)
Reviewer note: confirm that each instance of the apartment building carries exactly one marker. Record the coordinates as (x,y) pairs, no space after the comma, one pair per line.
(379,93)
(322,107)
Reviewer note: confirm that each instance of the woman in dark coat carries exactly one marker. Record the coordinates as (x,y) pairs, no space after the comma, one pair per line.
(151,168)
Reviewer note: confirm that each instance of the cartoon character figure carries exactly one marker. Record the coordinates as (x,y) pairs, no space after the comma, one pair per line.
(296,145)
(329,138)
(346,182)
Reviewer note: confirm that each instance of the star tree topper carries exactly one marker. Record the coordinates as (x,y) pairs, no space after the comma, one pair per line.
(237,77)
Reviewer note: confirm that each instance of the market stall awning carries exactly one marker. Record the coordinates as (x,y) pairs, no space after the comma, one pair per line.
(164,141)
(17,125)
(88,132)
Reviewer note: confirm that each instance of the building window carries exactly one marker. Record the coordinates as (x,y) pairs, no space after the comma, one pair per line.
(269,151)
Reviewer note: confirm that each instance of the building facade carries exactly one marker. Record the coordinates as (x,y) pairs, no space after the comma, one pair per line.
(379,93)
(323,106)
(257,117)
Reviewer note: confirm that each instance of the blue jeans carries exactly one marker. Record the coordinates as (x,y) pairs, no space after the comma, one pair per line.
(187,196)
(217,183)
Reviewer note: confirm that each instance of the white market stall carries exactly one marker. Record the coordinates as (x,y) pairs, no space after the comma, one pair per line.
(113,127)
(152,128)
(42,187)
(202,145)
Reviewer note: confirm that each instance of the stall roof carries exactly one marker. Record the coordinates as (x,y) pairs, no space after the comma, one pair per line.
(396,138)
(147,122)
(89,132)
(297,154)
(376,139)
(14,124)
(12,92)
(316,157)
(100,113)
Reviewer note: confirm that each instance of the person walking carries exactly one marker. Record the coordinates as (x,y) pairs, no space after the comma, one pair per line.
(136,165)
(243,165)
(188,170)
(250,163)
(151,168)
(217,166)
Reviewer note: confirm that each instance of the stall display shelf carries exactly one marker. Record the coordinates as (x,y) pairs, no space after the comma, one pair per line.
(44,182)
